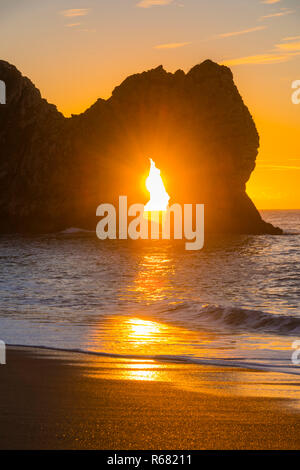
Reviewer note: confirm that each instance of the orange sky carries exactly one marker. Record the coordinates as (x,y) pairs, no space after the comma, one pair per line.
(78,51)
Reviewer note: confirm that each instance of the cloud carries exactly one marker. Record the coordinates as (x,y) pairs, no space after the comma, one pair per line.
(258,59)
(75,12)
(172,45)
(152,3)
(284,12)
(244,31)
(290,46)
(271,2)
(72,25)
(282,52)
(291,38)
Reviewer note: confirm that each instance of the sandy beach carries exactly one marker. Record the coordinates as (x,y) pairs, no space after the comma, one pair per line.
(57,400)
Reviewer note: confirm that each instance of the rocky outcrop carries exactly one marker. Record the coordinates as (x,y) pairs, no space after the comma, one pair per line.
(55,171)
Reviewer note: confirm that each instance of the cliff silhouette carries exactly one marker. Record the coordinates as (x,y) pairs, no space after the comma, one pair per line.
(55,171)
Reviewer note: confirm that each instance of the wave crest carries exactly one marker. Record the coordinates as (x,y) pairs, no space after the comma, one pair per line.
(250,319)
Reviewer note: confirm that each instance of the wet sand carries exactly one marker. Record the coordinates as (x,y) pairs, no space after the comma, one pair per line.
(55,400)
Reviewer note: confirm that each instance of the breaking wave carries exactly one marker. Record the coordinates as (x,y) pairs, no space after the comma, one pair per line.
(237,318)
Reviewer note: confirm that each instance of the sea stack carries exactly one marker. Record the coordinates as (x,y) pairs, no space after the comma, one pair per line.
(55,171)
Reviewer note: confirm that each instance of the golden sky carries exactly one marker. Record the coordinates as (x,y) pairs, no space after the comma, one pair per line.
(76,51)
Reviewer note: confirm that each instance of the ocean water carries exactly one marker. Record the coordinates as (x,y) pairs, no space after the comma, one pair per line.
(235,302)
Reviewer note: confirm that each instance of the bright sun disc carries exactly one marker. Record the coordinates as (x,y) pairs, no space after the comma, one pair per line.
(159,197)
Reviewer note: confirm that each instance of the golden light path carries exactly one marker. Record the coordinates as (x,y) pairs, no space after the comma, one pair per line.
(159,198)
(139,337)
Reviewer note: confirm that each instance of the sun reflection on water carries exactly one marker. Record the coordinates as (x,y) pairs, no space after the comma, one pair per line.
(154,277)
(140,331)
(141,341)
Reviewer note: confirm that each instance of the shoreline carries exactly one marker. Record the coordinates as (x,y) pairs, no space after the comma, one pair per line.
(63,400)
(162,359)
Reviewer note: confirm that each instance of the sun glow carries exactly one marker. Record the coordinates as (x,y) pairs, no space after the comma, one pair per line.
(159,197)
(137,344)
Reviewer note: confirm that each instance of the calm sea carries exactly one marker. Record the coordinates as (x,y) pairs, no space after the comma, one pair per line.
(234,302)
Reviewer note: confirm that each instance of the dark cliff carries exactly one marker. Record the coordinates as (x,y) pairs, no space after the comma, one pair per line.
(55,171)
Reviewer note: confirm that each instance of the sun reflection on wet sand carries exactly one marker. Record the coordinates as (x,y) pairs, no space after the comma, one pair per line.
(147,370)
(205,379)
